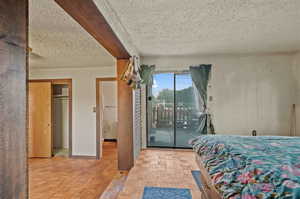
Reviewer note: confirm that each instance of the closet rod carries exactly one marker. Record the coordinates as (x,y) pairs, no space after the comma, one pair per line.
(61,97)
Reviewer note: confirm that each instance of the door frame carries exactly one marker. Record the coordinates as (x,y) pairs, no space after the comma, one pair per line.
(69,83)
(174,114)
(98,108)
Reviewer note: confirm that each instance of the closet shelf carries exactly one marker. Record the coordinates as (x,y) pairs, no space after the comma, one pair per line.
(60,96)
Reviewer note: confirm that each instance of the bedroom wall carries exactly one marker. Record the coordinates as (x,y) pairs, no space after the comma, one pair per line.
(296,75)
(84,99)
(249,91)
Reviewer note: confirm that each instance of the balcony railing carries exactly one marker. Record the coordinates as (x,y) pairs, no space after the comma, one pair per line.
(163,117)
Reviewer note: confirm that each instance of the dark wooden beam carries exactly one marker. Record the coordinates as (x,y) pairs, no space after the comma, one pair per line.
(13,103)
(125,119)
(86,13)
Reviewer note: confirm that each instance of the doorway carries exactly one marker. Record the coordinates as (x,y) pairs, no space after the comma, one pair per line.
(106,119)
(172,110)
(50,118)
(60,102)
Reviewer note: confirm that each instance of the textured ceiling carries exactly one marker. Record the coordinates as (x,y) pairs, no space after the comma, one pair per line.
(60,41)
(183,27)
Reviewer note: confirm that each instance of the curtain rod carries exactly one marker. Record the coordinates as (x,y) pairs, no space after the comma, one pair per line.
(172,71)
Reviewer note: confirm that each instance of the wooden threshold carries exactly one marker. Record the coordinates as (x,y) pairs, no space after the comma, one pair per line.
(83,157)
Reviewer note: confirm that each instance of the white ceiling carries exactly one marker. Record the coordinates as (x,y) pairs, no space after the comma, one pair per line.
(166,27)
(183,27)
(60,40)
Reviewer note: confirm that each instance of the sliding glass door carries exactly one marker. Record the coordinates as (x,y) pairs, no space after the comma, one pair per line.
(161,111)
(186,110)
(172,111)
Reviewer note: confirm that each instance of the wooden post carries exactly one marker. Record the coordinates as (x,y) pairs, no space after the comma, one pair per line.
(125,119)
(13,72)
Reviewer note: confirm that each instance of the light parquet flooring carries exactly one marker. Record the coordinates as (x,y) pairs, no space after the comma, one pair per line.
(161,168)
(64,178)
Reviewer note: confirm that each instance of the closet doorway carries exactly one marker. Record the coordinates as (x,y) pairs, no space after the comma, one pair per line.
(50,118)
(106,117)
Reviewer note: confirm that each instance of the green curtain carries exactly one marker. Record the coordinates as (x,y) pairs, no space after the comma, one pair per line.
(200,76)
(146,73)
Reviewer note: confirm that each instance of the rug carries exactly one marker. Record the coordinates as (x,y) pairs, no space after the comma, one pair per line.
(166,193)
(196,175)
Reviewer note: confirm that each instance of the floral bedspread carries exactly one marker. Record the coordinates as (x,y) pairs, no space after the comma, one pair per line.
(244,167)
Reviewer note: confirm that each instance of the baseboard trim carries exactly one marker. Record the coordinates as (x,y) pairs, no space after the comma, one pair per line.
(110,140)
(83,157)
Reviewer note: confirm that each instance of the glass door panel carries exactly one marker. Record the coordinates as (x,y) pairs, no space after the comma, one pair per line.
(186,118)
(173,110)
(161,111)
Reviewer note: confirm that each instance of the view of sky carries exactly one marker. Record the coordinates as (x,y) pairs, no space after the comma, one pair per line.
(166,81)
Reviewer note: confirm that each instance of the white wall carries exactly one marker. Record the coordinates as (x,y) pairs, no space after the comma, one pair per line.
(84,99)
(249,92)
(296,75)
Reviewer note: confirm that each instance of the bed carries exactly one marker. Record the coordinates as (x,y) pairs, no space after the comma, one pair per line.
(248,167)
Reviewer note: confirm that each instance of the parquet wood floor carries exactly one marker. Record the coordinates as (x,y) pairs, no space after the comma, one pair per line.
(161,168)
(64,178)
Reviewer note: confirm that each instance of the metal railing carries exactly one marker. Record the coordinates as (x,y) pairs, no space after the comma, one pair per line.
(163,116)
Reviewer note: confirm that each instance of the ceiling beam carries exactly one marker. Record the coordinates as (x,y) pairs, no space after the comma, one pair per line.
(87,14)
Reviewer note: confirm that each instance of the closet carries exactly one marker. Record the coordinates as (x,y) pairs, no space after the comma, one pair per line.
(60,119)
(49,118)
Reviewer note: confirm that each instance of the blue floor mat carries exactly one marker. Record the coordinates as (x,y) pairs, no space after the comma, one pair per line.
(166,193)
(196,175)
